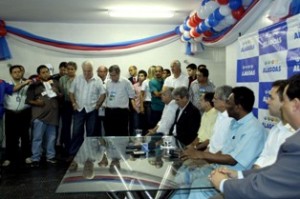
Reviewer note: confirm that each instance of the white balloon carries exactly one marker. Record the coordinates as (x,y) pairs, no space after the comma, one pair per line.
(201,12)
(206,22)
(186,34)
(181,29)
(211,6)
(198,39)
(230,20)
(225,10)
(183,39)
(220,27)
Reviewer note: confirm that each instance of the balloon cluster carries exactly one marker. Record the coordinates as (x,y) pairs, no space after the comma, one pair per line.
(211,18)
(2,28)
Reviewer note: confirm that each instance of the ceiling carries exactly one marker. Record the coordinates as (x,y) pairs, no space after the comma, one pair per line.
(88,11)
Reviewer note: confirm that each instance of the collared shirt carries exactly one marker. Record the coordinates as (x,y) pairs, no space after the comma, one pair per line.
(65,83)
(16,101)
(178,117)
(137,88)
(87,93)
(196,90)
(173,82)
(245,142)
(276,137)
(167,118)
(220,132)
(156,85)
(146,89)
(208,121)
(5,88)
(118,93)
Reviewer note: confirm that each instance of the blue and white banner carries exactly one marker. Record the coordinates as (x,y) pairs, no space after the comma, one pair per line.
(270,54)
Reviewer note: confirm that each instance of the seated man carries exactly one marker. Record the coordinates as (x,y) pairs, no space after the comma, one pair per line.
(187,118)
(246,141)
(168,115)
(279,180)
(208,118)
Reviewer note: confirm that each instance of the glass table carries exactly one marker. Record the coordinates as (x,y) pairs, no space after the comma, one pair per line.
(126,164)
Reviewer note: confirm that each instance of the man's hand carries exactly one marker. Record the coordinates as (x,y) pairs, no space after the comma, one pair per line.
(216,177)
(39,102)
(230,173)
(191,153)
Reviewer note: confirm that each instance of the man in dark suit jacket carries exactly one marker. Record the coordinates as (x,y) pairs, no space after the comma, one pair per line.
(280,180)
(187,120)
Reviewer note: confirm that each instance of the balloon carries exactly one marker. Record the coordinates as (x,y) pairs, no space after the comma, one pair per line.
(201,13)
(197,18)
(2,31)
(207,33)
(212,22)
(224,10)
(192,22)
(203,27)
(186,27)
(217,15)
(222,2)
(198,39)
(235,4)
(220,27)
(185,39)
(230,20)
(181,28)
(194,33)
(198,29)
(210,7)
(186,34)
(238,13)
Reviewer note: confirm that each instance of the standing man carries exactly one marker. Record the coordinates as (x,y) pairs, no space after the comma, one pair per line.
(200,86)
(119,92)
(191,71)
(43,97)
(280,180)
(87,95)
(177,79)
(102,72)
(17,112)
(133,79)
(133,74)
(187,117)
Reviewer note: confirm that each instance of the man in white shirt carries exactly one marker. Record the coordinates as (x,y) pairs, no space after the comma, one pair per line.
(279,132)
(168,115)
(87,95)
(177,79)
(119,92)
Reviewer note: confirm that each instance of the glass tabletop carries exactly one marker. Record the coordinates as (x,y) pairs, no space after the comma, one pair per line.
(112,164)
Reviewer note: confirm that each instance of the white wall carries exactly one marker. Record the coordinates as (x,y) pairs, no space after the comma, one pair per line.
(32,56)
(232,49)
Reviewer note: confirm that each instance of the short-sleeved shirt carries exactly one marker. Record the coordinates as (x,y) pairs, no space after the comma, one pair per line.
(49,112)
(87,93)
(5,88)
(245,142)
(146,89)
(156,85)
(118,93)
(173,82)
(196,90)
(208,120)
(167,118)
(65,83)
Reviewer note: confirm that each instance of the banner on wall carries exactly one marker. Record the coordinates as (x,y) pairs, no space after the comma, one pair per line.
(270,54)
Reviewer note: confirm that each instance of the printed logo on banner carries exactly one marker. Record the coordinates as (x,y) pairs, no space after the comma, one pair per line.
(267,121)
(264,94)
(247,70)
(273,38)
(293,34)
(248,47)
(293,61)
(272,66)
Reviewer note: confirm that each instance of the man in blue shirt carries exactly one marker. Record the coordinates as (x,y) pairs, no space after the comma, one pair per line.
(244,144)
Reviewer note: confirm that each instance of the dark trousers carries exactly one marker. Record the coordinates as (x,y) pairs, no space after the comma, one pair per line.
(66,122)
(116,121)
(147,109)
(155,117)
(100,123)
(82,119)
(17,126)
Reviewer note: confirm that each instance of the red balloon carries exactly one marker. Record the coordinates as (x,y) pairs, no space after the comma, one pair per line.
(2,31)
(194,33)
(207,33)
(2,23)
(192,22)
(238,13)
(196,18)
(223,2)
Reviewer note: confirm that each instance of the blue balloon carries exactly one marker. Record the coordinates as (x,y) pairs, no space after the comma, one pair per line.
(235,4)
(185,27)
(213,22)
(218,16)
(198,29)
(204,2)
(177,31)
(203,27)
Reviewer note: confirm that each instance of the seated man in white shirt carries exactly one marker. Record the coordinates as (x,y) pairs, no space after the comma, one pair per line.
(280,131)
(168,115)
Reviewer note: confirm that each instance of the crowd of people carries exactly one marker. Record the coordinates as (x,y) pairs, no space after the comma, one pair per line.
(214,125)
